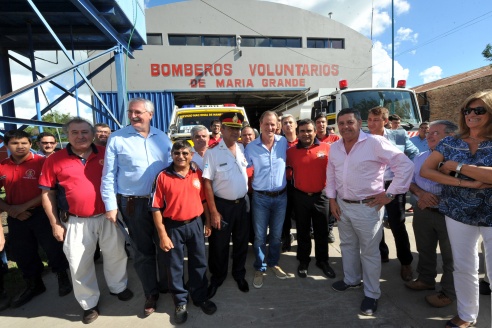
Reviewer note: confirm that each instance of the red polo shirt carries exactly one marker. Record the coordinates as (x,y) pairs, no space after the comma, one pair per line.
(212,142)
(292,143)
(21,180)
(309,166)
(78,185)
(329,138)
(179,198)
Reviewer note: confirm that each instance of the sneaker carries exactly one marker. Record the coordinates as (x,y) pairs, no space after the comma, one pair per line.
(368,306)
(279,272)
(90,315)
(341,286)
(302,270)
(484,287)
(258,279)
(64,284)
(180,314)
(438,300)
(331,237)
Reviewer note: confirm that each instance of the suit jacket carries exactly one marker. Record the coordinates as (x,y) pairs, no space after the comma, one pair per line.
(401,140)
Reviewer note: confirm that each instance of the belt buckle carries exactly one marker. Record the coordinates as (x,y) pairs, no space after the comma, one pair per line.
(310,193)
(236,201)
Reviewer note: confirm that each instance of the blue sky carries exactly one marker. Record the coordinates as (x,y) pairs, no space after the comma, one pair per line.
(434,39)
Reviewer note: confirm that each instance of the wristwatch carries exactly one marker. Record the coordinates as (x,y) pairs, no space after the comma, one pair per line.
(390,196)
(458,169)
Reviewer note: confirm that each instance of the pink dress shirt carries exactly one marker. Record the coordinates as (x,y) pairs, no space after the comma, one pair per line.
(359,174)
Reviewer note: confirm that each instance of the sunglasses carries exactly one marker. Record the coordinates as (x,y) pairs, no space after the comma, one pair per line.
(477,110)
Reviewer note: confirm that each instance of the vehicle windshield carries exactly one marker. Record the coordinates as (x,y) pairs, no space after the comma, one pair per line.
(186,122)
(400,102)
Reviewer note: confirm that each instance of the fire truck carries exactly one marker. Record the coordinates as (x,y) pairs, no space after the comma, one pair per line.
(185,118)
(399,100)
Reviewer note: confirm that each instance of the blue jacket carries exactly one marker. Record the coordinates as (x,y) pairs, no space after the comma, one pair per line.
(401,140)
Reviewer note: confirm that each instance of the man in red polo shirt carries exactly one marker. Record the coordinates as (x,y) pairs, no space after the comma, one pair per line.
(308,161)
(215,138)
(178,200)
(28,224)
(321,130)
(71,180)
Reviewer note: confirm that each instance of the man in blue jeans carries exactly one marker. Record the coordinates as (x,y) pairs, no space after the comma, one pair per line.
(267,155)
(134,157)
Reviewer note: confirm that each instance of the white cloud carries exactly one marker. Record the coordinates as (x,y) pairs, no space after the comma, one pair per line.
(406,34)
(381,71)
(431,74)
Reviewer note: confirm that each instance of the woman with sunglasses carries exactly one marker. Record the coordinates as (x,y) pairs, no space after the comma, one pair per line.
(463,165)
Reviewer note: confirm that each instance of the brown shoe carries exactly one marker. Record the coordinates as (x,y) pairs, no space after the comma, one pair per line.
(419,285)
(406,272)
(438,300)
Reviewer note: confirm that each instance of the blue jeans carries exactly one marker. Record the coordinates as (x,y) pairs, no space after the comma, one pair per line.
(268,212)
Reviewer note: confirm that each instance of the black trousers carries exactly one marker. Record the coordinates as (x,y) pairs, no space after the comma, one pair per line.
(311,210)
(396,220)
(24,238)
(190,236)
(218,252)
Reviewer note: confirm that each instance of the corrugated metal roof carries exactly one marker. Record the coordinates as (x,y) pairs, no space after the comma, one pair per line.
(458,78)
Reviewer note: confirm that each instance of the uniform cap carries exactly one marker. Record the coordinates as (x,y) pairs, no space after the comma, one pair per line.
(232,119)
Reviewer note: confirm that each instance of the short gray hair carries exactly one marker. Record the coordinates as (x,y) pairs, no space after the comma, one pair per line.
(196,129)
(149,106)
(285,116)
(449,127)
(77,119)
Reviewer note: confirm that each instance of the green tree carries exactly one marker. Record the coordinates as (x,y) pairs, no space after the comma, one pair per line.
(54,117)
(487,52)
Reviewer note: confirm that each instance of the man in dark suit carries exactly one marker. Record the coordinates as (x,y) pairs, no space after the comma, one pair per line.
(376,120)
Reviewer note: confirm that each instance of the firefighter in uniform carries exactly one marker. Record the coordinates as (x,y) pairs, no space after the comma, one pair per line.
(226,187)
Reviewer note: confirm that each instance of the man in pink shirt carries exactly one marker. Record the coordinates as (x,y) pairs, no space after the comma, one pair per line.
(355,187)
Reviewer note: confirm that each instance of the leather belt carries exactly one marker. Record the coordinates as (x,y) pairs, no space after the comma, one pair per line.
(234,201)
(271,193)
(308,193)
(364,201)
(181,222)
(131,196)
(84,217)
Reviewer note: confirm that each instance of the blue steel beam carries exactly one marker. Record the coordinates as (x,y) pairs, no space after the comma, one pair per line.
(15,120)
(67,92)
(87,8)
(121,87)
(62,47)
(18,92)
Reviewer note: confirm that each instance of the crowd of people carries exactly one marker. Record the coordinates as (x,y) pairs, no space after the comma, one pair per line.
(238,185)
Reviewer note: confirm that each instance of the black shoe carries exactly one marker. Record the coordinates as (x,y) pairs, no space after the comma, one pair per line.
(211,291)
(4,300)
(125,295)
(369,306)
(208,307)
(64,284)
(302,270)
(35,287)
(150,304)
(341,286)
(180,314)
(327,270)
(90,315)
(331,237)
(242,284)
(484,287)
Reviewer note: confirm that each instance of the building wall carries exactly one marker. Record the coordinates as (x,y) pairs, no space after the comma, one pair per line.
(445,102)
(257,68)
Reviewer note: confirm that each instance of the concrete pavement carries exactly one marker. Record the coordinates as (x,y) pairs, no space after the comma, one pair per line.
(293,302)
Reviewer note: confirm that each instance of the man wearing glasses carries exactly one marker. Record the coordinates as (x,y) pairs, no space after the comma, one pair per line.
(46,143)
(134,157)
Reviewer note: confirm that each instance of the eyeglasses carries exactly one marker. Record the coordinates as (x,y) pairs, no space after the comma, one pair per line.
(135,112)
(47,143)
(184,153)
(477,110)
